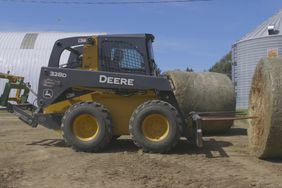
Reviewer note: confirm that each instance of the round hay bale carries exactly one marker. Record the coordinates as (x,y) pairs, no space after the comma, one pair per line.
(204,92)
(265,102)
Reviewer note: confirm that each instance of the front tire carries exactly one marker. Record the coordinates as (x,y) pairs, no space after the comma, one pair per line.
(155,126)
(87,127)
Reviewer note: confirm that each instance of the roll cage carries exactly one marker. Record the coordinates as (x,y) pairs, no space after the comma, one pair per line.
(131,54)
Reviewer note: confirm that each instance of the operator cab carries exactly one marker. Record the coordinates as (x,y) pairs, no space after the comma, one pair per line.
(132,54)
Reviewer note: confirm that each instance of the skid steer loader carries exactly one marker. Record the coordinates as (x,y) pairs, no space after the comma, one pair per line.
(109,87)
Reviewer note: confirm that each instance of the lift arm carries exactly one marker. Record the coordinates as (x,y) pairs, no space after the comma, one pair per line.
(199,117)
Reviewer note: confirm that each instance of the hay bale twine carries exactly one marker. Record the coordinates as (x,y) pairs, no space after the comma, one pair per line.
(265,102)
(204,92)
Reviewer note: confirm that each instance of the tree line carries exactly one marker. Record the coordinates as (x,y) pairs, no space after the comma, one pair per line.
(222,66)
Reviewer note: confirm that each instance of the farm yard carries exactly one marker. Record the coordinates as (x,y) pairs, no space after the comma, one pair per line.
(40,158)
(140,94)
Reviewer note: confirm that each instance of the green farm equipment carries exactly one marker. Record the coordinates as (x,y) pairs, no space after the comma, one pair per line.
(14,83)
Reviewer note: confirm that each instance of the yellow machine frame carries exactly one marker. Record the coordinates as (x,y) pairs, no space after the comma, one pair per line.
(120,107)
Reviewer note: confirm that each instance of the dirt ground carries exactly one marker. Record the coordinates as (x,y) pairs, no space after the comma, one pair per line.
(39,158)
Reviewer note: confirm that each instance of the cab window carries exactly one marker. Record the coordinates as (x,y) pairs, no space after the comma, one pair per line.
(121,56)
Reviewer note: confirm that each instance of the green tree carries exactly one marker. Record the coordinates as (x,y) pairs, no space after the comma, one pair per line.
(223,65)
(158,71)
(189,69)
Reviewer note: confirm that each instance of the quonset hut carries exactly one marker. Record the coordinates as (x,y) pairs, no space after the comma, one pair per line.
(264,41)
(23,54)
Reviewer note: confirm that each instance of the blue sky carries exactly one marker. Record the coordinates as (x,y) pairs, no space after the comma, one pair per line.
(192,34)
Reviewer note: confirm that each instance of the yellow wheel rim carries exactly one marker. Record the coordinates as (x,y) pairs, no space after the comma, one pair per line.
(155,127)
(85,127)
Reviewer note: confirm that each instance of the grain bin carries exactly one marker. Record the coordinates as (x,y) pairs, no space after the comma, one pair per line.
(264,41)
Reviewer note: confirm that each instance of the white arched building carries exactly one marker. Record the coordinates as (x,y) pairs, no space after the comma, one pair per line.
(23,54)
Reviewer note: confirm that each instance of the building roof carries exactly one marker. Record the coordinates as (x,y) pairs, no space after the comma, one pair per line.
(274,22)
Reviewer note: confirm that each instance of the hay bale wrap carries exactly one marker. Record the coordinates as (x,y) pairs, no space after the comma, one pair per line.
(265,102)
(204,92)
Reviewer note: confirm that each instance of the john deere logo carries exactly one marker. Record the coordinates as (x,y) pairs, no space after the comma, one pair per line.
(47,93)
(116,80)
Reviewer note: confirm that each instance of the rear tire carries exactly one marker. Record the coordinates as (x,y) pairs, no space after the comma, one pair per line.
(87,127)
(155,126)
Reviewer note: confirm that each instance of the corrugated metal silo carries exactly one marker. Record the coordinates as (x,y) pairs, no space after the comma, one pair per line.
(264,41)
(24,54)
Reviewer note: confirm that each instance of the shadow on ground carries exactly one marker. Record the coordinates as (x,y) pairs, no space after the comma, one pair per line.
(237,132)
(278,161)
(50,143)
(211,147)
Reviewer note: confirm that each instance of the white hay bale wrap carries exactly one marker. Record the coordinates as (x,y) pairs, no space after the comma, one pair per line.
(265,132)
(204,92)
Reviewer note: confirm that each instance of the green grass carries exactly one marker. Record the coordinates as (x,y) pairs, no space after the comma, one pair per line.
(243,111)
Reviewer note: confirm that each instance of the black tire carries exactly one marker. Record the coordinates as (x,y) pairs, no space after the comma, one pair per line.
(174,123)
(103,134)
